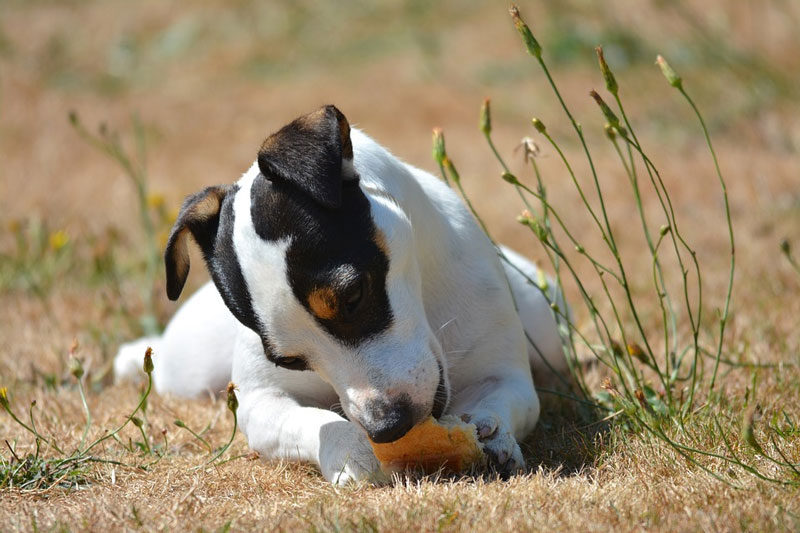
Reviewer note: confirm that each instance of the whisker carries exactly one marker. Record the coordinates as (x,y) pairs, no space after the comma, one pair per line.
(445,325)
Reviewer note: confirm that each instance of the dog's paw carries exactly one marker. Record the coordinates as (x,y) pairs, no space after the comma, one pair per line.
(345,455)
(503,454)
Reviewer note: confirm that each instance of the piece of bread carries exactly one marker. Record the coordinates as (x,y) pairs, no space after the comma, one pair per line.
(447,443)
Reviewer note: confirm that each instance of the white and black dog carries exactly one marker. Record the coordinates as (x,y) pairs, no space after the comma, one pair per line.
(353,296)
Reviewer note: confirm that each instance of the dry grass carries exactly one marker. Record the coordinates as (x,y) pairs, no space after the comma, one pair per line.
(210,80)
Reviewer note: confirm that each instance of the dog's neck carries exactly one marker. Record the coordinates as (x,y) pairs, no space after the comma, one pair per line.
(382,173)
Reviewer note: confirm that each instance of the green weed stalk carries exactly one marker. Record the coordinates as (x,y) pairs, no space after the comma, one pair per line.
(198,436)
(616,336)
(35,472)
(134,165)
(232,403)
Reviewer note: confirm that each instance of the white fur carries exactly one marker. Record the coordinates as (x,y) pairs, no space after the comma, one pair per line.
(451,305)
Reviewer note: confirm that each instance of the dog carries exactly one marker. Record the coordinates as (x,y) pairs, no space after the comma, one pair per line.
(352,297)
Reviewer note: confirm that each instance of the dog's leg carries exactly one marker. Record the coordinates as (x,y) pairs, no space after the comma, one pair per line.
(503,408)
(285,415)
(278,427)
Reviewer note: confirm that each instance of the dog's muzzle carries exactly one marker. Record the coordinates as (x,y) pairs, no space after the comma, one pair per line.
(395,419)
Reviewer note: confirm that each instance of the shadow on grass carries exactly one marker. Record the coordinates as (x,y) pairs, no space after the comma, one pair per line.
(567,439)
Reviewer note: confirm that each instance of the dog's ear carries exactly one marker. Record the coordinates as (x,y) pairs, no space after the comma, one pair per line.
(199,216)
(314,153)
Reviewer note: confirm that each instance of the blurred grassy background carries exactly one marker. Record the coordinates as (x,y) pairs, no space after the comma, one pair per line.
(210,79)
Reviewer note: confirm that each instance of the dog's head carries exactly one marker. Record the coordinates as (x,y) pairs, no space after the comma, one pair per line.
(323,273)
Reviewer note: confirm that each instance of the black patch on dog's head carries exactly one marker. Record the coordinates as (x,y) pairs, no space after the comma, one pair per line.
(335,263)
(307,191)
(308,154)
(227,273)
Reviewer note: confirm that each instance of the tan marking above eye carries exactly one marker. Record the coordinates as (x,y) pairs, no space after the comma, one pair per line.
(380,241)
(323,302)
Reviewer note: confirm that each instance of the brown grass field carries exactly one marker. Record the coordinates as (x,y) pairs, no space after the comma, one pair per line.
(210,79)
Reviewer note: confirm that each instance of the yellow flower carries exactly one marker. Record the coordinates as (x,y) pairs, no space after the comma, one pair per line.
(58,240)
(4,396)
(155,201)
(636,351)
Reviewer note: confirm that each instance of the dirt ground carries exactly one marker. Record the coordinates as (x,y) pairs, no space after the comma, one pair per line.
(209,80)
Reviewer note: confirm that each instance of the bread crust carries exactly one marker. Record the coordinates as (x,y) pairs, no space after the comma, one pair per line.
(447,443)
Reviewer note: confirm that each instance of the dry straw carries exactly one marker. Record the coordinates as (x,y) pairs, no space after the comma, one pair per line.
(41,471)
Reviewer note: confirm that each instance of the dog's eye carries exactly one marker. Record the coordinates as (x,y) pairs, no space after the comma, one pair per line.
(291,363)
(354,295)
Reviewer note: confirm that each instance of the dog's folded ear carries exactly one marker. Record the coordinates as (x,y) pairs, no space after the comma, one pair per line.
(199,216)
(314,153)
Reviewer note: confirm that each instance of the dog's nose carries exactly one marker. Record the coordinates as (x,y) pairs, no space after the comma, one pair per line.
(389,422)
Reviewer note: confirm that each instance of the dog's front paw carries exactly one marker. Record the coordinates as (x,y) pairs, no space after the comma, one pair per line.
(345,455)
(503,454)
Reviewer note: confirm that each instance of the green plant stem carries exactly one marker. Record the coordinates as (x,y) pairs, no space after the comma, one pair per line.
(457,180)
(607,233)
(107,436)
(33,425)
(33,431)
(751,469)
(197,436)
(145,440)
(686,452)
(571,397)
(735,364)
(86,412)
(666,206)
(160,456)
(675,236)
(578,187)
(661,293)
(549,247)
(595,314)
(230,441)
(111,145)
(785,462)
(724,319)
(570,236)
(606,238)
(444,174)
(678,237)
